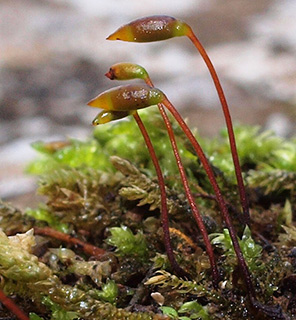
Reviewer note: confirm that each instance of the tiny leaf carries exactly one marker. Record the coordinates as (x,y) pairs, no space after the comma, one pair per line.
(168,311)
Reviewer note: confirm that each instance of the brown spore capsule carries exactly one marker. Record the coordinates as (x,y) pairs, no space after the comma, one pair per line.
(126,71)
(148,29)
(108,116)
(127,98)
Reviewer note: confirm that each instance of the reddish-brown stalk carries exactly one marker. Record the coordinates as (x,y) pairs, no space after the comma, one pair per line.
(86,247)
(193,206)
(156,28)
(10,305)
(222,98)
(220,200)
(164,210)
(277,314)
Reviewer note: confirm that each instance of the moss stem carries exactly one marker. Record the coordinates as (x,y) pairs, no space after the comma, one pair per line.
(221,202)
(164,210)
(222,98)
(195,211)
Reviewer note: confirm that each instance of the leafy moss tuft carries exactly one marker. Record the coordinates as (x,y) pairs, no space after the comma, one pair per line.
(127,243)
(251,250)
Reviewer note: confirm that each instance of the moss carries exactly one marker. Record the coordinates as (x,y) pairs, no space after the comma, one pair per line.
(92,200)
(127,243)
(251,250)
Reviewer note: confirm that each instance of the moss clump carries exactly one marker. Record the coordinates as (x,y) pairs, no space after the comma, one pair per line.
(114,204)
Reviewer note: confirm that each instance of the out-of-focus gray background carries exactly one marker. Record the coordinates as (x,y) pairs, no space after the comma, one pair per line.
(53,56)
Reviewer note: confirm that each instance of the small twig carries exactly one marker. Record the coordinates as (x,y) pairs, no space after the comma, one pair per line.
(183,236)
(86,247)
(10,305)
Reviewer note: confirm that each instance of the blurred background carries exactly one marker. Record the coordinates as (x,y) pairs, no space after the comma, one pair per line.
(53,56)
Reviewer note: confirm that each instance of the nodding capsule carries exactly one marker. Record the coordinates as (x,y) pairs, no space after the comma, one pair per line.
(149,29)
(127,98)
(126,71)
(108,116)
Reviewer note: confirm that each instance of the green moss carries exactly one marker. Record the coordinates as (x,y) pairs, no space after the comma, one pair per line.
(127,243)
(43,214)
(256,149)
(116,138)
(109,292)
(58,313)
(251,250)
(92,192)
(73,154)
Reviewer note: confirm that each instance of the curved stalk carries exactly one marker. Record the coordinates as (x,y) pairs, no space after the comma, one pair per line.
(227,116)
(126,71)
(196,214)
(162,27)
(164,210)
(221,202)
(157,28)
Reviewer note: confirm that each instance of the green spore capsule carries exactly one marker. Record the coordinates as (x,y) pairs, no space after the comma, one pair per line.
(108,116)
(127,98)
(126,71)
(149,29)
